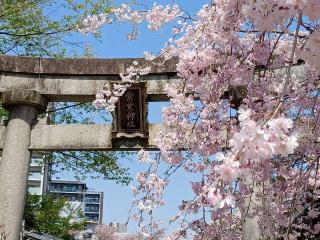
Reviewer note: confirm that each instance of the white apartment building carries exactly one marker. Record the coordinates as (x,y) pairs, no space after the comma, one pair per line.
(38,175)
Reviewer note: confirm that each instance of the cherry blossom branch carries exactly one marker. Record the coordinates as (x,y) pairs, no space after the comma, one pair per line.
(204,193)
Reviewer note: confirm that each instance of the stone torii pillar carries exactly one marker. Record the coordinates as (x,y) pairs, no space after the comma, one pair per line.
(23,106)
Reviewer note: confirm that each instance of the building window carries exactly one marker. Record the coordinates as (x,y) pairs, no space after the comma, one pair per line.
(92,217)
(92,199)
(92,208)
(66,188)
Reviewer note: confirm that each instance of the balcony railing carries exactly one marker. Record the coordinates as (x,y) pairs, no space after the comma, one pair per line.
(91,211)
(91,200)
(71,190)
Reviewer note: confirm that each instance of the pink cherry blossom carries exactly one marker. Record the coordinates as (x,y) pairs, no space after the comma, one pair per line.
(244,117)
(228,170)
(216,199)
(159,15)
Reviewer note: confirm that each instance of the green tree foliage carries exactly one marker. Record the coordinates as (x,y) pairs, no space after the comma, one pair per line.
(42,27)
(3,113)
(44,215)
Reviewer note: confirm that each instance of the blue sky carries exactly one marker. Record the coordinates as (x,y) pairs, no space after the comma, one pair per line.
(115,45)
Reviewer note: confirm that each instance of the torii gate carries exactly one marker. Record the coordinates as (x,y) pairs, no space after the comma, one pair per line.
(28,84)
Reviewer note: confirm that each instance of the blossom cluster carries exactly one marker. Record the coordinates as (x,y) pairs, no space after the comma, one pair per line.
(251,146)
(108,97)
(92,23)
(159,15)
(258,143)
(156,17)
(105,232)
(152,184)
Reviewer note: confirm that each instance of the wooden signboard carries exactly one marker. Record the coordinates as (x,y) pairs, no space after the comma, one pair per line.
(130,123)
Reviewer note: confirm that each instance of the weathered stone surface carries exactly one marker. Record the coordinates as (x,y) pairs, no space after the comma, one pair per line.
(79,88)
(80,66)
(24,97)
(78,79)
(77,137)
(153,132)
(71,137)
(2,135)
(19,64)
(251,230)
